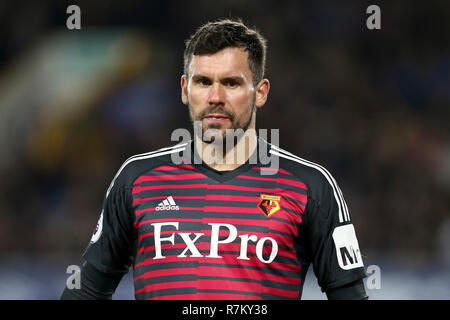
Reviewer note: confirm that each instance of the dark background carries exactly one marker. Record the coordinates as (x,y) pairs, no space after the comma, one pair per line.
(372,106)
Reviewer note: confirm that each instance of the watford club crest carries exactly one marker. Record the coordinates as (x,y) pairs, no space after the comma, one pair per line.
(269,204)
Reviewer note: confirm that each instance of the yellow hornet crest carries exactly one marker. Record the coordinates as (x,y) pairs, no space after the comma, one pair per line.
(269,204)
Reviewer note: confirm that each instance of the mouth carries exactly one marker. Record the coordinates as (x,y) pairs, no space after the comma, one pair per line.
(216,117)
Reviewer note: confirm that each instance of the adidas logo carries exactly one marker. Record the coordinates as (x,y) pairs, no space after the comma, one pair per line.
(167,204)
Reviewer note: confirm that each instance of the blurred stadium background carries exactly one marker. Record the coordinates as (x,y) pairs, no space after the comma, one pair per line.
(371,106)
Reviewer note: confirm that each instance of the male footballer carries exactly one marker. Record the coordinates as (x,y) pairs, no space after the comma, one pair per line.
(214,229)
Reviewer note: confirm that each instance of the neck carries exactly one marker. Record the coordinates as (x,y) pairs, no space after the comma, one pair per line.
(223,157)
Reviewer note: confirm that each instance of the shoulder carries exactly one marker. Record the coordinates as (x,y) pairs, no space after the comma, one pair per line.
(314,175)
(137,164)
(321,185)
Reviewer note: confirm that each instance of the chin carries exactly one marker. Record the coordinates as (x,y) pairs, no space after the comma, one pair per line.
(210,134)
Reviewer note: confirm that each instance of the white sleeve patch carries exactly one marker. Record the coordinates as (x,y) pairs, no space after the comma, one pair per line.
(347,248)
(98,229)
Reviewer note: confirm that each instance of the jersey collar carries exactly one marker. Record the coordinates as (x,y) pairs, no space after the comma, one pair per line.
(223,176)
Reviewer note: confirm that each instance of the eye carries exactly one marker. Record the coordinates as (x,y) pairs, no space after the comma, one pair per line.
(203,82)
(232,83)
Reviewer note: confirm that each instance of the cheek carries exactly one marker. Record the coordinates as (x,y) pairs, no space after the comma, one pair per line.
(196,99)
(241,101)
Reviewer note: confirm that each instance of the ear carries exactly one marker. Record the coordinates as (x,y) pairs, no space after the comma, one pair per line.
(262,91)
(184,89)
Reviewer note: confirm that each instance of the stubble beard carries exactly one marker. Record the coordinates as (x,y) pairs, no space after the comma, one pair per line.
(209,134)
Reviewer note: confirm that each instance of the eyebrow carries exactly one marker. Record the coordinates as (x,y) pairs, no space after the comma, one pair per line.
(198,77)
(237,79)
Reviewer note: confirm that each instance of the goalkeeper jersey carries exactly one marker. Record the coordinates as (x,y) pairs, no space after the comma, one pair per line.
(190,232)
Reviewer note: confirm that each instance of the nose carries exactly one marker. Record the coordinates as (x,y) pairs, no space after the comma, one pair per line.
(216,94)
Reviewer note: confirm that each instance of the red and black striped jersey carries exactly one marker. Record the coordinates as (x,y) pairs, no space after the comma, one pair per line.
(191,232)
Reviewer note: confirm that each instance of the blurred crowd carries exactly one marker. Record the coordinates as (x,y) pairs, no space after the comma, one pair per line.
(372,106)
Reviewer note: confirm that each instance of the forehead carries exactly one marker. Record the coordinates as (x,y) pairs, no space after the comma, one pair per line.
(229,61)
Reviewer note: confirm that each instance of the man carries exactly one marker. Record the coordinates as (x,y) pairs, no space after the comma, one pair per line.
(215,229)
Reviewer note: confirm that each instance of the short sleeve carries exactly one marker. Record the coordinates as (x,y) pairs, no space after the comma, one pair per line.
(111,245)
(333,244)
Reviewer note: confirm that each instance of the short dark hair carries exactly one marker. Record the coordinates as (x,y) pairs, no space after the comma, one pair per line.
(215,36)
